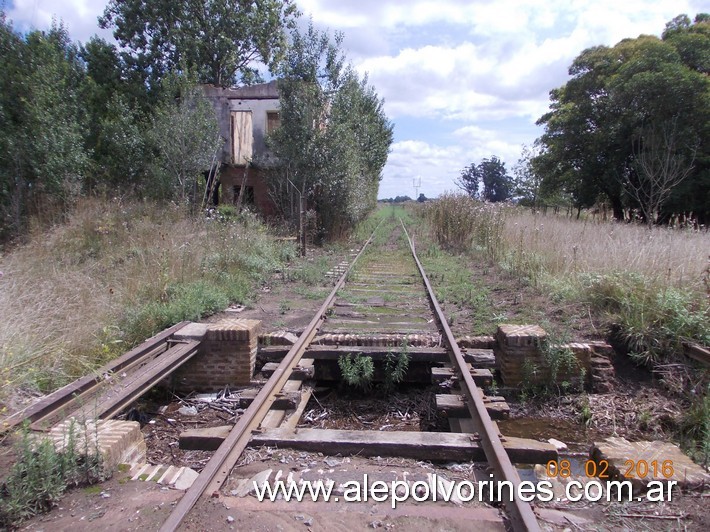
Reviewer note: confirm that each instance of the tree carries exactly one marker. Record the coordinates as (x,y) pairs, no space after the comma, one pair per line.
(43,157)
(185,136)
(469,180)
(497,184)
(587,149)
(422,198)
(527,185)
(334,135)
(219,40)
(661,167)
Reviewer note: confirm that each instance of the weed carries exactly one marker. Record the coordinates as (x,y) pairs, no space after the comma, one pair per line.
(585,410)
(395,368)
(113,274)
(285,306)
(357,371)
(41,475)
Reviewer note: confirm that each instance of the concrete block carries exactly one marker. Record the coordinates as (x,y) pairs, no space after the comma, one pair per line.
(192,331)
(118,442)
(520,336)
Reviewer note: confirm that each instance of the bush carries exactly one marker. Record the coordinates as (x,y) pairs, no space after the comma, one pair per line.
(41,475)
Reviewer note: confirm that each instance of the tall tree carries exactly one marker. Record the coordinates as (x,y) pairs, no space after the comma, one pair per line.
(469,180)
(44,158)
(334,136)
(185,135)
(497,184)
(527,185)
(660,167)
(219,40)
(613,94)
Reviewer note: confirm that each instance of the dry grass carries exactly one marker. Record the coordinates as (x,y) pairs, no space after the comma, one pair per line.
(668,257)
(84,292)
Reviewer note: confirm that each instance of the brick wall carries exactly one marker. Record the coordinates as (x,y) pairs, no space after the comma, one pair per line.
(227,357)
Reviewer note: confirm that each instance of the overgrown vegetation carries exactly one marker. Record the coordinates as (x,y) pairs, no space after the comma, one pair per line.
(41,475)
(630,127)
(649,287)
(395,369)
(357,371)
(114,274)
(651,284)
(334,136)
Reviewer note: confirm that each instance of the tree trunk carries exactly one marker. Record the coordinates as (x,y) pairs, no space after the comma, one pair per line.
(618,208)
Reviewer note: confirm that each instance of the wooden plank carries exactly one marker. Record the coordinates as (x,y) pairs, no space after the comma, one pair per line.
(205,439)
(453,405)
(298,372)
(282,401)
(334,352)
(482,377)
(436,446)
(292,421)
(275,417)
(697,352)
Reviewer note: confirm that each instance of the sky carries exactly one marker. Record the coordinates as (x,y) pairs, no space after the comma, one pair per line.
(461,80)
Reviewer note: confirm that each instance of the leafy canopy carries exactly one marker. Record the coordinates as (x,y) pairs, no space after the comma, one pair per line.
(220,40)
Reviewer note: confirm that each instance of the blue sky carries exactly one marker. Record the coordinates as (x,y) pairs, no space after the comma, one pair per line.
(462,80)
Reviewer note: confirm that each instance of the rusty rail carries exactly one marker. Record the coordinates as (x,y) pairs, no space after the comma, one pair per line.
(60,402)
(217,469)
(521,514)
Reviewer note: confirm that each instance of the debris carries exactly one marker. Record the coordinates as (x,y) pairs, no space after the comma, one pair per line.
(257,479)
(188,410)
(230,519)
(560,446)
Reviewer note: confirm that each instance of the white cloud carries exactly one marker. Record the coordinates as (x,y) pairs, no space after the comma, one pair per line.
(79,16)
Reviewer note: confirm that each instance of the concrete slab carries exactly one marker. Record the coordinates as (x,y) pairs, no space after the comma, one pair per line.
(192,331)
(644,461)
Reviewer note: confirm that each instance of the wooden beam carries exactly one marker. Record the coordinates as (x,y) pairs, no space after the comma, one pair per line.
(453,405)
(482,377)
(282,401)
(334,352)
(435,446)
(300,372)
(81,390)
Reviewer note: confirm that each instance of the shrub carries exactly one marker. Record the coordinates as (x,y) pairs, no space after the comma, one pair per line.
(41,475)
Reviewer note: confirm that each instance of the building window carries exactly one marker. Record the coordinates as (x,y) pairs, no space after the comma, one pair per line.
(242,137)
(273,121)
(248,198)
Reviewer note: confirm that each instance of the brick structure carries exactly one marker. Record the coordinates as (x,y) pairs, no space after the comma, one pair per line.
(227,357)
(521,359)
(118,442)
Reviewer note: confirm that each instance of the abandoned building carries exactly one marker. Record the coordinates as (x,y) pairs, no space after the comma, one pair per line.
(246,116)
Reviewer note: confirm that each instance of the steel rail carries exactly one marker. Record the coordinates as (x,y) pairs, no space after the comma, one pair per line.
(521,514)
(225,457)
(70,394)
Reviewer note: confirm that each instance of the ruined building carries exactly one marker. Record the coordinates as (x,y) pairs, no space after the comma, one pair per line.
(246,116)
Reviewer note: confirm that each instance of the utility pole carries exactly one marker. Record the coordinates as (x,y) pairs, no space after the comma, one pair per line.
(417,182)
(301,220)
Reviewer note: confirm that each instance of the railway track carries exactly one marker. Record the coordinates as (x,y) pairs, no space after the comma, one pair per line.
(382,292)
(382,299)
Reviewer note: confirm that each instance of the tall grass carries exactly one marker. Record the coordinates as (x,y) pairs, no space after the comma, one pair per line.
(115,273)
(651,286)
(653,283)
